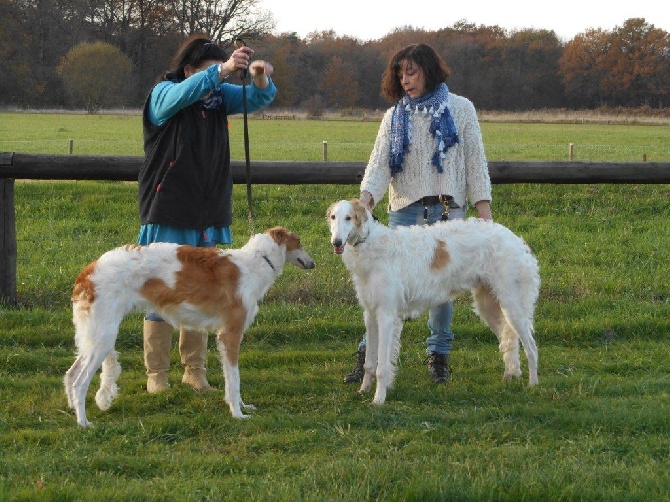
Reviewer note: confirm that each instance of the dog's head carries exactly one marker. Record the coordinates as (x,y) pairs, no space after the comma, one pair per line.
(347,220)
(295,254)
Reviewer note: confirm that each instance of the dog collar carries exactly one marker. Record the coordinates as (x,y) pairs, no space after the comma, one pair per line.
(362,240)
(269,263)
(375,219)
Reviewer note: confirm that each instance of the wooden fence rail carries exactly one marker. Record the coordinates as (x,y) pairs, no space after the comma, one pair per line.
(90,167)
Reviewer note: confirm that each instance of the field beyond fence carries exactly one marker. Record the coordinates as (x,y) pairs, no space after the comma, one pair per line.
(595,428)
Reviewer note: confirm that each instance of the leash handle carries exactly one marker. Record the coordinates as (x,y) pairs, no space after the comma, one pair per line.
(238,43)
(243,75)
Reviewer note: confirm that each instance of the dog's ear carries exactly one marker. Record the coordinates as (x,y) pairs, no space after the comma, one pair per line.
(279,234)
(360,213)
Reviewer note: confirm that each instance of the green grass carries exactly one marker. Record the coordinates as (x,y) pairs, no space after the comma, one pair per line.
(595,428)
(348,140)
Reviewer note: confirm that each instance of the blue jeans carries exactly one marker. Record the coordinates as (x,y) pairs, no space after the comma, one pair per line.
(439,318)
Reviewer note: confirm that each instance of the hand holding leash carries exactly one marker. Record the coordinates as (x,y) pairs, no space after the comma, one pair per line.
(241,57)
(238,60)
(259,68)
(244,53)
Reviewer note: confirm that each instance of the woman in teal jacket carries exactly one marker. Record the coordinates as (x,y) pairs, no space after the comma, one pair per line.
(185,183)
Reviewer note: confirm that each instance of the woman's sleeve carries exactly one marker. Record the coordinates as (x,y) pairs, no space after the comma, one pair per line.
(377,175)
(476,166)
(167,98)
(257,98)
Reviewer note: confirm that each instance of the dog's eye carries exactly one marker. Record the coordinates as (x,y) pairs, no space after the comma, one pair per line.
(348,218)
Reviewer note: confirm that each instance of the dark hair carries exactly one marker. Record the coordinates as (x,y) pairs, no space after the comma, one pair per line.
(193,51)
(434,68)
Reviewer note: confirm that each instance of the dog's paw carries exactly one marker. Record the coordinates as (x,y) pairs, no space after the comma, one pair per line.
(510,376)
(236,411)
(380,396)
(366,385)
(105,396)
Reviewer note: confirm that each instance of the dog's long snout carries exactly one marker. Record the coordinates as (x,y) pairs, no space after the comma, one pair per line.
(300,259)
(306,264)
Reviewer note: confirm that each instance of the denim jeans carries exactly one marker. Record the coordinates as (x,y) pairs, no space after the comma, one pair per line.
(439,318)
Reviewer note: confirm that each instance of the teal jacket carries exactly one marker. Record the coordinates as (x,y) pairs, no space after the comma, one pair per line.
(185,180)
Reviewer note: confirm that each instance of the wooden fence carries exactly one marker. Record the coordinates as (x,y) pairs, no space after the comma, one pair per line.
(87,167)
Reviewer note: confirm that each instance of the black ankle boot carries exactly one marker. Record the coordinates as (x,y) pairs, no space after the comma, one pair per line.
(356,376)
(438,367)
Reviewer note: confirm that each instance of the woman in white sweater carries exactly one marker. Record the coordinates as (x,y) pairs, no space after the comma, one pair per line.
(429,154)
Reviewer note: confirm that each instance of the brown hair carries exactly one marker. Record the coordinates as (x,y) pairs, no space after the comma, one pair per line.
(193,51)
(434,68)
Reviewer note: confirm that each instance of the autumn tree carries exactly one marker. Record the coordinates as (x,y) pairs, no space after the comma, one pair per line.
(531,61)
(639,63)
(583,67)
(282,51)
(339,84)
(496,69)
(96,76)
(14,68)
(629,66)
(473,53)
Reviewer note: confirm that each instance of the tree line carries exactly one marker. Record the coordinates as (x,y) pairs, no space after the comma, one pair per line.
(107,53)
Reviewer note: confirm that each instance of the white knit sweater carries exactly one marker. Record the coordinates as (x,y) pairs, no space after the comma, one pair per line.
(465,175)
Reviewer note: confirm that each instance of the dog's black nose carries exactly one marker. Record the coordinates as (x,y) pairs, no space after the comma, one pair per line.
(337,242)
(307,265)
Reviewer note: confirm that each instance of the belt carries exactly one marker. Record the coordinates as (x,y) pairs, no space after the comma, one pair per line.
(434,199)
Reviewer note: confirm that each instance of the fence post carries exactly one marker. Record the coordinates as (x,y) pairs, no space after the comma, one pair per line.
(571,151)
(325,151)
(7,243)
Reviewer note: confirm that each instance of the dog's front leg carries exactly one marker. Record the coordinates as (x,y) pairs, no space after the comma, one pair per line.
(371,344)
(229,350)
(386,323)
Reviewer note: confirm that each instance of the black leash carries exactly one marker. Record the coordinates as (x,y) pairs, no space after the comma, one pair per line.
(243,75)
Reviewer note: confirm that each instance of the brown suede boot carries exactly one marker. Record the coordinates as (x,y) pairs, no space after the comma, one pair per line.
(193,351)
(157,345)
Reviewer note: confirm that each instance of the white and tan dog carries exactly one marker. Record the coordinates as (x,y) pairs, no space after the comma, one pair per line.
(400,273)
(197,288)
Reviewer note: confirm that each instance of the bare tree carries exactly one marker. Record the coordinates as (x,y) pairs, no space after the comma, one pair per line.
(223,20)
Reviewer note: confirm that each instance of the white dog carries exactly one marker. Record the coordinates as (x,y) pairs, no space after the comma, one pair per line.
(400,273)
(196,288)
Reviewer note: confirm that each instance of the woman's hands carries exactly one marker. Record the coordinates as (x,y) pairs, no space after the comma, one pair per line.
(240,59)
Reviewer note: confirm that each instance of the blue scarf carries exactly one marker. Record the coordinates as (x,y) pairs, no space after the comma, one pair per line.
(442,126)
(213,100)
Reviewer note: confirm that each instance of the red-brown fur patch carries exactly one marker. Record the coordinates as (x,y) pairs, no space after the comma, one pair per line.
(83,291)
(360,216)
(441,257)
(285,237)
(207,279)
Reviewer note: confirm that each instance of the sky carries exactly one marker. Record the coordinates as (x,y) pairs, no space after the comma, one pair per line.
(373,19)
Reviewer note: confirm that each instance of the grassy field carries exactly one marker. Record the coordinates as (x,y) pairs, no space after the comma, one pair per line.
(595,428)
(348,140)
